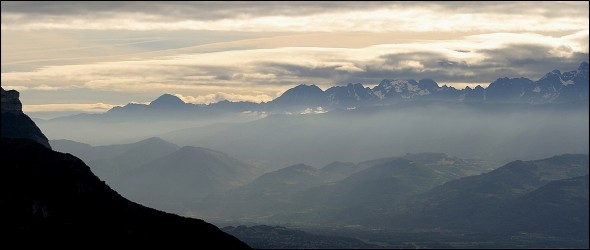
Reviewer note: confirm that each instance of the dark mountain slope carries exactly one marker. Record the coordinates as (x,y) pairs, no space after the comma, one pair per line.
(16,124)
(504,199)
(46,194)
(559,208)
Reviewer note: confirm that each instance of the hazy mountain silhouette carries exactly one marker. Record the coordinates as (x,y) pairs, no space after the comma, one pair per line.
(269,193)
(160,174)
(109,162)
(167,101)
(301,95)
(166,105)
(81,150)
(338,192)
(182,177)
(54,196)
(144,150)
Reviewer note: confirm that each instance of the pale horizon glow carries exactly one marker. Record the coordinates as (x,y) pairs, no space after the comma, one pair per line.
(89,57)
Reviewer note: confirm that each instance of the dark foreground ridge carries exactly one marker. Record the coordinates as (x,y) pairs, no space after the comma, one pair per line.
(46,194)
(15,123)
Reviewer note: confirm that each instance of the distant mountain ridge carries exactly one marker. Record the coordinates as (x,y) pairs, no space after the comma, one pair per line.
(553,87)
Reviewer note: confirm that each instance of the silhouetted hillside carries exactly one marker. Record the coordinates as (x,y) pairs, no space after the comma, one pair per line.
(558,208)
(54,195)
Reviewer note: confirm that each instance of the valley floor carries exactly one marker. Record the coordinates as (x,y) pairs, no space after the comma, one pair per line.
(359,237)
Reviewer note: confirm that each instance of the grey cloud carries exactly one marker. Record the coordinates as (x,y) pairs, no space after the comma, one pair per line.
(222,9)
(223,77)
(545,8)
(192,10)
(519,60)
(445,63)
(531,61)
(320,73)
(436,67)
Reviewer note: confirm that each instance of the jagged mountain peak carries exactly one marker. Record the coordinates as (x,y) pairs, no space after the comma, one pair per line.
(401,89)
(554,75)
(307,86)
(350,95)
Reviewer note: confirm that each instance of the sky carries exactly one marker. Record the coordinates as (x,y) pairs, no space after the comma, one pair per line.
(72,57)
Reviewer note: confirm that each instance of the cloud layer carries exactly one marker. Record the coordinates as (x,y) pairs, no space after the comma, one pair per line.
(296,16)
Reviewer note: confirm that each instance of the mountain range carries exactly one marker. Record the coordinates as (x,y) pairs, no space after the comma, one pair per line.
(49,198)
(553,87)
(421,193)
